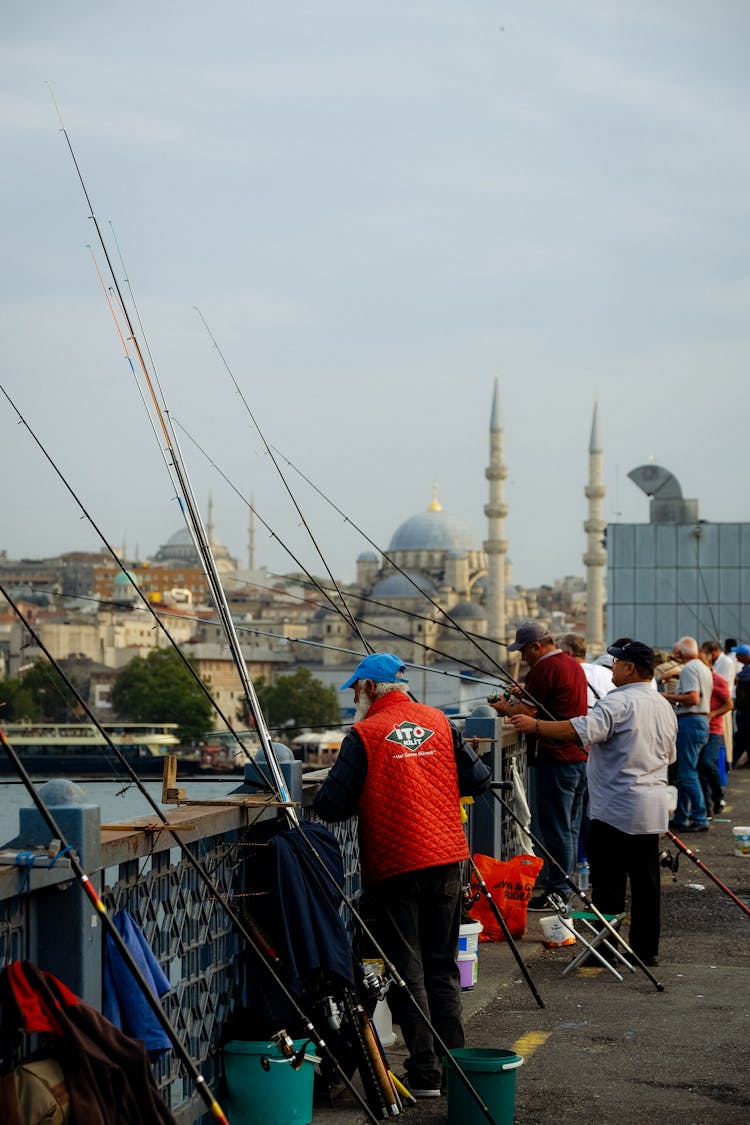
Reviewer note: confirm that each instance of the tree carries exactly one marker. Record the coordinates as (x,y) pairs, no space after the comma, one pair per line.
(17,702)
(56,701)
(299,700)
(158,688)
(40,695)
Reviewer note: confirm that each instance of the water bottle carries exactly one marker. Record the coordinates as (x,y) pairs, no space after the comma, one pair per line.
(582,875)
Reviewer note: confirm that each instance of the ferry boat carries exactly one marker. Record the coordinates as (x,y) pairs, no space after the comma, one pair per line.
(76,749)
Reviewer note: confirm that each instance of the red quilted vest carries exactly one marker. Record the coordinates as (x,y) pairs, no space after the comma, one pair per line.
(409,815)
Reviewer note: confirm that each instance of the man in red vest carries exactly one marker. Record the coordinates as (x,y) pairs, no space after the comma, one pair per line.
(401,769)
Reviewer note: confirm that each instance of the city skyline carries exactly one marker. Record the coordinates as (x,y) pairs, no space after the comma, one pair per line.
(378,211)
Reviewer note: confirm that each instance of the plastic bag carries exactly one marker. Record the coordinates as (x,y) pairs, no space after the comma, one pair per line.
(510,882)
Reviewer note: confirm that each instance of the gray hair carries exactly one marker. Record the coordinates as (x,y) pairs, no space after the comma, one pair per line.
(687,646)
(383,689)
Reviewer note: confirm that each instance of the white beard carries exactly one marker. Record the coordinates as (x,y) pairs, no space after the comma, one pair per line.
(362,707)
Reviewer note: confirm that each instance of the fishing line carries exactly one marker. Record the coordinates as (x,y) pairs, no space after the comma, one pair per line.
(262,951)
(349,615)
(90,891)
(187,503)
(334,605)
(146,604)
(290,641)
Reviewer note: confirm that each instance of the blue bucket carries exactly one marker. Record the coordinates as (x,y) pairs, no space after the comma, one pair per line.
(273,1094)
(492,1073)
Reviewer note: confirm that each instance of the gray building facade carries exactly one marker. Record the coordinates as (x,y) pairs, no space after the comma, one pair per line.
(668,580)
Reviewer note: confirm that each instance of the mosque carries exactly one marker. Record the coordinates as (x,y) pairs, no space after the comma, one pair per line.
(435,583)
(437,593)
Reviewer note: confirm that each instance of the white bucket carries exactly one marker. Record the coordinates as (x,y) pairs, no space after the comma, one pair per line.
(741,840)
(468,937)
(555,933)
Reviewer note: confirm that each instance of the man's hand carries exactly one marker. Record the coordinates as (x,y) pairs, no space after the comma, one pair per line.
(526,724)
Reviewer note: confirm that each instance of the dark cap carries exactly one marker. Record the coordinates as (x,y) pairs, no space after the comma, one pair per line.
(637,653)
(527,633)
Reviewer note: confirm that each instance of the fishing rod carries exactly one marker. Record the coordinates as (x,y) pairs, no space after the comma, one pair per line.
(581,894)
(265,954)
(186,499)
(504,674)
(317,585)
(188,504)
(290,641)
(707,871)
(90,891)
(386,605)
(405,574)
(263,780)
(349,615)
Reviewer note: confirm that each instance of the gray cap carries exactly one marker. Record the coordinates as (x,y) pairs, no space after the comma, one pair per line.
(527,633)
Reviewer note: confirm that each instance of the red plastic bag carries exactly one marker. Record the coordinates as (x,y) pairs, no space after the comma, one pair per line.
(510,882)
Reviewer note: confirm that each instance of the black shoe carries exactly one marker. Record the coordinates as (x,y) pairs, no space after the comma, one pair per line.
(649,962)
(697,828)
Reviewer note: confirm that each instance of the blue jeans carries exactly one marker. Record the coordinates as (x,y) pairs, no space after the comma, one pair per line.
(708,772)
(692,736)
(560,791)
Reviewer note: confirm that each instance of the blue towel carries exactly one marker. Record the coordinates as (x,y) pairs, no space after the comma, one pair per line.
(124,1003)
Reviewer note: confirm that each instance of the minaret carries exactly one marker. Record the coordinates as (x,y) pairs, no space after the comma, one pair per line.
(210,521)
(496,547)
(596,557)
(251,537)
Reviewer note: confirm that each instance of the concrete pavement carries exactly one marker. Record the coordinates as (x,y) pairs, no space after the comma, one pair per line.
(603,1051)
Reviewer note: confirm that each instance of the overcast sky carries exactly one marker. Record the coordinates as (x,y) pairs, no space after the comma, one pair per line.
(378,207)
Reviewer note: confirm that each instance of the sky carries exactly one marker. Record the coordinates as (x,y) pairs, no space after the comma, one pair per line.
(379,208)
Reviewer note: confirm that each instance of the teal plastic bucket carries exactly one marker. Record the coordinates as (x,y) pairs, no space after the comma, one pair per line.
(492,1073)
(278,1095)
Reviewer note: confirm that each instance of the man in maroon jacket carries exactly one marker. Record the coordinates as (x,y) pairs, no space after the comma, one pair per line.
(555,688)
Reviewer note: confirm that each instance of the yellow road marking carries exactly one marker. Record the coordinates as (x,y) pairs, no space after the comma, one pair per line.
(528,1043)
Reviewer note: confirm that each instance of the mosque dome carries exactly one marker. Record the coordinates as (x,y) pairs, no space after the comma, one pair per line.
(180,551)
(368,556)
(125,578)
(399,586)
(433,530)
(467,611)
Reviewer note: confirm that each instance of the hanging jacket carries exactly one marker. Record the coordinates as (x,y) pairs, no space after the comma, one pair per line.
(108,1075)
(409,813)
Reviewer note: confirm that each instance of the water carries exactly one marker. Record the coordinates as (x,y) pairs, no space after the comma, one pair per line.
(118,800)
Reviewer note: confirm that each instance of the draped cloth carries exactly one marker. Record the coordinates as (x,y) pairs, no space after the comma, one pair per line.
(310,933)
(125,1006)
(109,1076)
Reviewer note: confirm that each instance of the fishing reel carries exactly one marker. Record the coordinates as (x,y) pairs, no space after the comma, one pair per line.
(285,1044)
(468,898)
(496,696)
(333,1012)
(671,862)
(374,983)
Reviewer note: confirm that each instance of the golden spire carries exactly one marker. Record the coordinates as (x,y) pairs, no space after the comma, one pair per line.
(435,505)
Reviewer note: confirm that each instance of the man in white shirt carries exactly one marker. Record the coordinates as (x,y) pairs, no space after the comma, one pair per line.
(631,732)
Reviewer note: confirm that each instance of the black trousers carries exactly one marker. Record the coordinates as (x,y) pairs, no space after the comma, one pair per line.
(416,919)
(616,857)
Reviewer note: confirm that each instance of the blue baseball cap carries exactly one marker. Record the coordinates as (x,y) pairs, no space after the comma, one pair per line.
(380,667)
(742,650)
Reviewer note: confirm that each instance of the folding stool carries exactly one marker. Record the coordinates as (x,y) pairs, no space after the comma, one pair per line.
(597,937)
